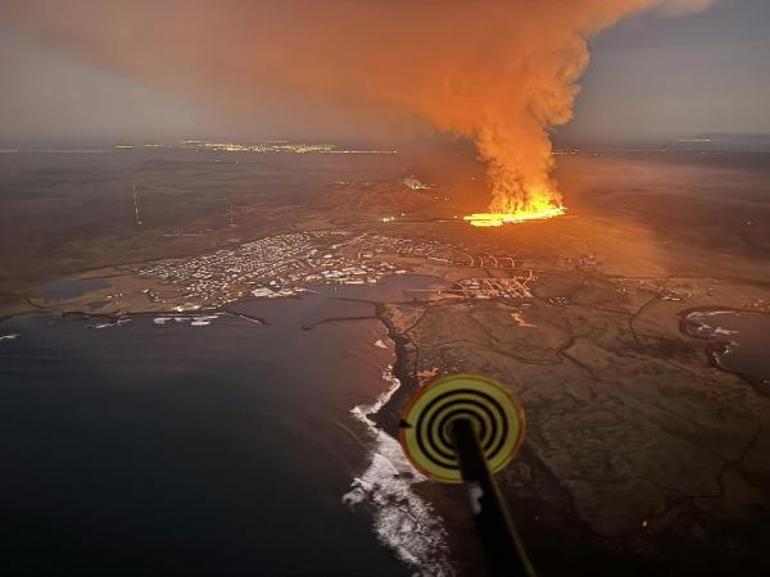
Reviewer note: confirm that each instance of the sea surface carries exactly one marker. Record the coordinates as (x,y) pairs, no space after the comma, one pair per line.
(208,444)
(63,289)
(738,341)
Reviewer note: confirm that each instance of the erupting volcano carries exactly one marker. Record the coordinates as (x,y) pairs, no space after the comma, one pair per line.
(489,219)
(503,73)
(514,201)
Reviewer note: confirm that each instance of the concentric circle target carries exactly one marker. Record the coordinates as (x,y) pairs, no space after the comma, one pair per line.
(427,421)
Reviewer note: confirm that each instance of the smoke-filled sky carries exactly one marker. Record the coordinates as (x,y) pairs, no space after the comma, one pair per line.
(73,70)
(503,73)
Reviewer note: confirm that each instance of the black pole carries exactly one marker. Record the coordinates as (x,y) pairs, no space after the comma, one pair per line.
(504,552)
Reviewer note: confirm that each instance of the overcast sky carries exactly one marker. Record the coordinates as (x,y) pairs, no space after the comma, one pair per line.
(650,76)
(672,77)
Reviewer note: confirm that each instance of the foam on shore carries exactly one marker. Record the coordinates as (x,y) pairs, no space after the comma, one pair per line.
(193,320)
(403,521)
(113,323)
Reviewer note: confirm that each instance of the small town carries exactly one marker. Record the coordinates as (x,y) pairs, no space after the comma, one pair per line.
(288,264)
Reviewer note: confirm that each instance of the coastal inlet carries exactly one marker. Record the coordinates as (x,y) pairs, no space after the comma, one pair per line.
(192,441)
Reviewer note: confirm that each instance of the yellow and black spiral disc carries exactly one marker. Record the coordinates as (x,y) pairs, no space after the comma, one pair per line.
(425,432)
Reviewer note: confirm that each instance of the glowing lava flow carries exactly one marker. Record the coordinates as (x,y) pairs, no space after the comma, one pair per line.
(485,219)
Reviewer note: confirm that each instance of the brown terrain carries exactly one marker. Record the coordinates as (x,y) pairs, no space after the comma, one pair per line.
(640,456)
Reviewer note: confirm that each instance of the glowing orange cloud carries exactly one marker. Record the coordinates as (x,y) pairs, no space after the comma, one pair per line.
(502,72)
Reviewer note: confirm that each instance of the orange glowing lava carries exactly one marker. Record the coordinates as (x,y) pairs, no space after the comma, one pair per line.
(488,219)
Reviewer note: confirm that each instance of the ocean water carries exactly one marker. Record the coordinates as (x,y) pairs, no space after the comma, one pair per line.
(64,289)
(738,341)
(209,444)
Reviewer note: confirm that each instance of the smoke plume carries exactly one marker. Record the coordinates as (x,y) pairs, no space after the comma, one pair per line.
(502,72)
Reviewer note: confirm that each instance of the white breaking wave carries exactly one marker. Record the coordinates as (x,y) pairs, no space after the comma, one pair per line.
(720,332)
(703,328)
(203,320)
(403,520)
(115,323)
(11,337)
(195,321)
